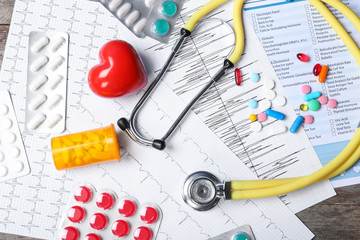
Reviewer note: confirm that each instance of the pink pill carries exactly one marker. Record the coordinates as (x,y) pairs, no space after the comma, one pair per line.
(323,99)
(305,89)
(308,119)
(262,117)
(332,103)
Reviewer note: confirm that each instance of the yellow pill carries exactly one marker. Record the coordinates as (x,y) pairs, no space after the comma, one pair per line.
(76,138)
(93,137)
(65,156)
(303,107)
(78,161)
(67,141)
(87,158)
(253,117)
(99,155)
(79,152)
(99,147)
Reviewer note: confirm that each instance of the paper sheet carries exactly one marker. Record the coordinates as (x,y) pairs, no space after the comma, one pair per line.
(34,204)
(307,31)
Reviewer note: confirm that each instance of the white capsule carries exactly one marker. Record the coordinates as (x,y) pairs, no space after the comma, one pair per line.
(38,82)
(133,16)
(3,171)
(39,63)
(37,102)
(54,82)
(40,44)
(275,130)
(54,101)
(114,4)
(36,121)
(3,109)
(8,137)
(54,120)
(123,10)
(5,123)
(140,25)
(56,44)
(270,94)
(17,166)
(149,3)
(56,63)
(13,152)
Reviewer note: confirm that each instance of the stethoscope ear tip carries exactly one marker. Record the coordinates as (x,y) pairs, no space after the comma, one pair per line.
(159,144)
(123,124)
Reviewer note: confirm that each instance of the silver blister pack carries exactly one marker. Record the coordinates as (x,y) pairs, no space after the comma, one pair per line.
(242,232)
(46,82)
(152,18)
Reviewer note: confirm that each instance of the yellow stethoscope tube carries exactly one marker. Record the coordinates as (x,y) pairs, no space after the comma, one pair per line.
(350,154)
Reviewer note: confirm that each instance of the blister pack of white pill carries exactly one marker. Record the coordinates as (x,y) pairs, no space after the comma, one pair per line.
(13,159)
(152,18)
(46,82)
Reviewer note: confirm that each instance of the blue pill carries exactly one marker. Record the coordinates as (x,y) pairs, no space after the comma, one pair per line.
(160,27)
(311,96)
(168,9)
(275,114)
(297,123)
(254,77)
(252,103)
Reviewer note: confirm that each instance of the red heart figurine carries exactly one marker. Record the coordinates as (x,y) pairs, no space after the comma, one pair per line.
(120,71)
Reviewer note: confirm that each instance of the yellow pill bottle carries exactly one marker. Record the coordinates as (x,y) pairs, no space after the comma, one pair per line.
(84,148)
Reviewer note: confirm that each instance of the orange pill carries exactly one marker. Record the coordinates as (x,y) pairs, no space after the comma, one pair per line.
(323,73)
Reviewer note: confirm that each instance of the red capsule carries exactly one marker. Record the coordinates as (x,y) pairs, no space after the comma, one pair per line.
(317,69)
(302,57)
(237,76)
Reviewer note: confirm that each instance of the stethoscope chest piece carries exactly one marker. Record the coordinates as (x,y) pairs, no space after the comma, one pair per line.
(200,191)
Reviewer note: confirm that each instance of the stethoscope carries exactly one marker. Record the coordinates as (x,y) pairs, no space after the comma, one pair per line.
(202,190)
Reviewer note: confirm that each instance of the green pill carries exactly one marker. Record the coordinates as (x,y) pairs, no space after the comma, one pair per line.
(168,9)
(160,27)
(240,236)
(314,105)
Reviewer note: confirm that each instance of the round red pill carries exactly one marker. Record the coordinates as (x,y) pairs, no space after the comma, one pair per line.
(105,201)
(142,233)
(70,233)
(92,236)
(302,57)
(120,228)
(127,208)
(237,76)
(98,221)
(82,194)
(317,69)
(76,214)
(148,215)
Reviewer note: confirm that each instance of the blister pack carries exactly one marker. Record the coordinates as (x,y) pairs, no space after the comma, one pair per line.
(243,232)
(152,18)
(46,82)
(99,216)
(13,159)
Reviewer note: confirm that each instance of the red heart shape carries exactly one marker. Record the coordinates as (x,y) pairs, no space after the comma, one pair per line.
(120,71)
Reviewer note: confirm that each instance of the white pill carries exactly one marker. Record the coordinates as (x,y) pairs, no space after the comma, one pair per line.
(133,16)
(13,152)
(2,156)
(36,121)
(270,94)
(57,44)
(38,82)
(54,82)
(5,123)
(56,63)
(275,130)
(17,166)
(269,84)
(54,101)
(256,126)
(3,171)
(54,120)
(279,101)
(114,4)
(8,137)
(149,3)
(265,104)
(40,44)
(39,63)
(37,102)
(124,10)
(140,25)
(3,109)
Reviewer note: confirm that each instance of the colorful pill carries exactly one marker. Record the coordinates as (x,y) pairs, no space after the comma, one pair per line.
(275,114)
(303,107)
(168,9)
(38,82)
(296,124)
(124,10)
(314,105)
(142,233)
(76,214)
(254,77)
(56,63)
(322,99)
(252,117)
(332,103)
(262,117)
(39,63)
(148,215)
(160,27)
(70,233)
(127,208)
(120,228)
(237,77)
(311,96)
(303,57)
(252,103)
(92,236)
(114,4)
(83,194)
(140,25)
(37,102)
(317,69)
(36,121)
(105,201)
(57,44)
(98,221)
(308,119)
(323,73)
(132,17)
(54,82)
(39,44)
(305,89)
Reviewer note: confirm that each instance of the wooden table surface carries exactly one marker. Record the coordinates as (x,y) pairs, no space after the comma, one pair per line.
(336,218)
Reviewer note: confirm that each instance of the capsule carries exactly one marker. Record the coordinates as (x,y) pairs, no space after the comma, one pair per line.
(39,63)
(54,120)
(297,123)
(36,121)
(275,114)
(237,76)
(311,96)
(57,44)
(39,44)
(303,57)
(317,69)
(133,16)
(38,82)
(54,82)
(37,102)
(323,73)
(56,63)
(54,101)
(140,25)
(124,10)
(114,4)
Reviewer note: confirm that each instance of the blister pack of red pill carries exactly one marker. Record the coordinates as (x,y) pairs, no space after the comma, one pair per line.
(92,215)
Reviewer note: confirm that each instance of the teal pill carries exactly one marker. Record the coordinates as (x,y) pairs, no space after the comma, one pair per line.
(311,96)
(254,77)
(160,27)
(168,9)
(241,236)
(252,103)
(314,105)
